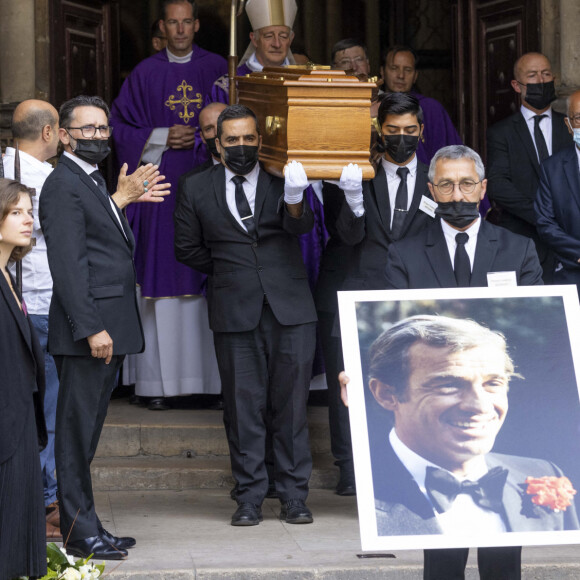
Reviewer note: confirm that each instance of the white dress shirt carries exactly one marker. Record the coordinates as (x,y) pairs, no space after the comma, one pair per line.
(393,181)
(545,126)
(249,185)
(471,244)
(88,169)
(36,278)
(464,517)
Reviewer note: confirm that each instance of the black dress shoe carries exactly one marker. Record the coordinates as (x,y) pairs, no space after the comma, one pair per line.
(121,543)
(158,404)
(294,511)
(97,546)
(247,514)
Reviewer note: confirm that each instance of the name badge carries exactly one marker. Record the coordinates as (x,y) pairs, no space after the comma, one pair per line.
(428,206)
(501,279)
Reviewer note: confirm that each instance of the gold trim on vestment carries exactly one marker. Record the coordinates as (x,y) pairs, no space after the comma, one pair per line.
(277,12)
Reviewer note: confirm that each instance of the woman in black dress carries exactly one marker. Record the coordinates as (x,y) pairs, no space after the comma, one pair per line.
(22,428)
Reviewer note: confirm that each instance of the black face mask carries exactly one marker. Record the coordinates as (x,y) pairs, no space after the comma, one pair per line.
(540,95)
(212,147)
(457,213)
(399,147)
(92,151)
(241,159)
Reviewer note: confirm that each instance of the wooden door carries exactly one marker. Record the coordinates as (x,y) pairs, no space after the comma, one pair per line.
(489,37)
(84,49)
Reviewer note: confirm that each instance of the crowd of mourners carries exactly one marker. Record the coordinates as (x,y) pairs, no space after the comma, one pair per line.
(202,273)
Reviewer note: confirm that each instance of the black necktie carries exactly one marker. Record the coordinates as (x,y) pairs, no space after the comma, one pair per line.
(243,206)
(401,201)
(442,489)
(461,264)
(539,139)
(101,184)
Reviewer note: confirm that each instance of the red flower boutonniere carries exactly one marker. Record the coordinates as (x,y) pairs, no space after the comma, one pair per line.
(555,493)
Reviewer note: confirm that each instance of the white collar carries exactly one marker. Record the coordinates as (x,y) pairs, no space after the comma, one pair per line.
(472,230)
(178,59)
(391,168)
(86,167)
(254,64)
(251,178)
(528,114)
(417,465)
(42,166)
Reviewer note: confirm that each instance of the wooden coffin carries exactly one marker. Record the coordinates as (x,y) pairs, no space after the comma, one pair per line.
(317,116)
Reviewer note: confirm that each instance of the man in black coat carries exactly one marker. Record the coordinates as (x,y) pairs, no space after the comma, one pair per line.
(558,202)
(370,216)
(517,145)
(239,225)
(93,319)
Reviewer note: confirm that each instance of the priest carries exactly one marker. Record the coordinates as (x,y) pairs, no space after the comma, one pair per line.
(155,118)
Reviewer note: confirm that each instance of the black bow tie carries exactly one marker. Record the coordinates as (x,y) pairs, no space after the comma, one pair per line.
(443,488)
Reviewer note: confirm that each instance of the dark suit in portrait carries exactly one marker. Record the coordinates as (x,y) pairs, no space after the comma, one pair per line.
(90,253)
(423,261)
(402,509)
(263,318)
(514,173)
(558,212)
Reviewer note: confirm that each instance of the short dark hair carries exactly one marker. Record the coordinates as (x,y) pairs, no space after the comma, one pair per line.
(10,192)
(156,30)
(396,48)
(345,44)
(29,127)
(399,104)
(166,3)
(66,112)
(389,353)
(235,112)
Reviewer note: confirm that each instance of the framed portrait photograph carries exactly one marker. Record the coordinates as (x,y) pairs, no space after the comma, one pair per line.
(464,408)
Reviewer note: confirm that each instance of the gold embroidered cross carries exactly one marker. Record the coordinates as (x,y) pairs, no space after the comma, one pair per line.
(184,88)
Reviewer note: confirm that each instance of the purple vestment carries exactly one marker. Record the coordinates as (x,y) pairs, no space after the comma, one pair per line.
(439,130)
(159,93)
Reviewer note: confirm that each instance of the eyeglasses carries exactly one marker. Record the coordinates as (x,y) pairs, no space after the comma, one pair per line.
(349,63)
(88,131)
(466,186)
(575,119)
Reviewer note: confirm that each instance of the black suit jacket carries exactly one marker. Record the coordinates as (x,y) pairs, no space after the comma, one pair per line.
(21,375)
(423,261)
(203,167)
(371,233)
(558,206)
(401,508)
(91,262)
(241,268)
(514,171)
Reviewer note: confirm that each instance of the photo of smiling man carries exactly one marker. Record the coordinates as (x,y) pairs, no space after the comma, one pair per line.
(445,381)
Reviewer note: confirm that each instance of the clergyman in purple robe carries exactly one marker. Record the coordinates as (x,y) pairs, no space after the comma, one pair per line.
(155,119)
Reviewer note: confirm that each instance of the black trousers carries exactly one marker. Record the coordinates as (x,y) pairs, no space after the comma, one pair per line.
(340,442)
(267,371)
(503,563)
(86,384)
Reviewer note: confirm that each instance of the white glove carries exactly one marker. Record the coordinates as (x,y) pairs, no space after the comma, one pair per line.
(295,182)
(351,184)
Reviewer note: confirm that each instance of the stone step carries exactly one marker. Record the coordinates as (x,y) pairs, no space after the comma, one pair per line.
(133,431)
(142,473)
